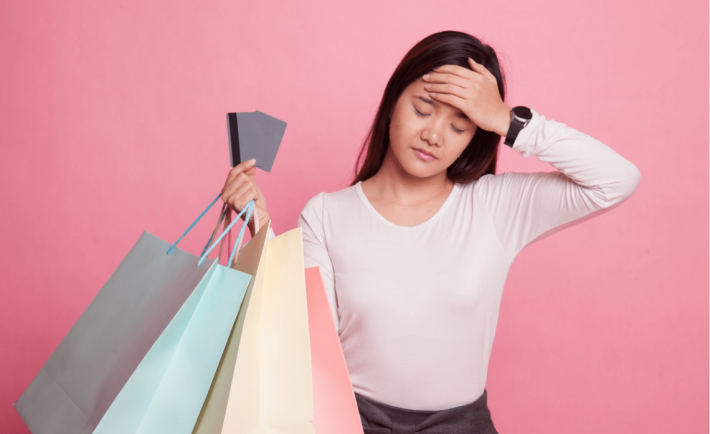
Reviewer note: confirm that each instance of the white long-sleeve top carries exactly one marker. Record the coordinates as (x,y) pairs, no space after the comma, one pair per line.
(416,308)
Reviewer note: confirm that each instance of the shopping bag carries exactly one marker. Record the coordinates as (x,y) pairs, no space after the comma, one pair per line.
(270,390)
(334,405)
(215,406)
(272,385)
(144,313)
(167,390)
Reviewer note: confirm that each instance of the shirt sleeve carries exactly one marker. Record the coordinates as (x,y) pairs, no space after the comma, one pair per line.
(591,180)
(315,251)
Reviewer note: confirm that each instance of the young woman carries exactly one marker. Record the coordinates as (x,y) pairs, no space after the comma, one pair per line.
(415,253)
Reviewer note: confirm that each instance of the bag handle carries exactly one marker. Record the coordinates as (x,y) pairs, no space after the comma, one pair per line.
(226,215)
(214,232)
(248,208)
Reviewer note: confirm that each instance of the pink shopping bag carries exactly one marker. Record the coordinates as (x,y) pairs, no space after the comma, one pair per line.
(334,406)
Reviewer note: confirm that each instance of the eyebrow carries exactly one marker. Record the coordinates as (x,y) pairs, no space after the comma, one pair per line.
(431,102)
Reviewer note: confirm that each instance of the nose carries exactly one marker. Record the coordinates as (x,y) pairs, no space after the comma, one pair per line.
(433,132)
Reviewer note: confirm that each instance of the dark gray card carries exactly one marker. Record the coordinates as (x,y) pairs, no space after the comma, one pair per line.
(251,144)
(272,132)
(254,135)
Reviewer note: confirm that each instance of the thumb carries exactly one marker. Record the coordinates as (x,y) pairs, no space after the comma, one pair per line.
(478,67)
(251,172)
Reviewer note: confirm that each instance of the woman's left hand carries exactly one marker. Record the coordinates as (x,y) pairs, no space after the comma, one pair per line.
(475,93)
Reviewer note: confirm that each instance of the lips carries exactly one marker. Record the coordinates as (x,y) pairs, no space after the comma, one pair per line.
(424,154)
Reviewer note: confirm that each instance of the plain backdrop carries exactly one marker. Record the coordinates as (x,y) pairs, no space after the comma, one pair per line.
(112,122)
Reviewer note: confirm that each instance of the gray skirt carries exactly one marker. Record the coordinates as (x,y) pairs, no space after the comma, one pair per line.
(472,418)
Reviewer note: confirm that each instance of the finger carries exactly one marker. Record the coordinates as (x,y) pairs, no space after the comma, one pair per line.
(246,164)
(441,77)
(480,69)
(235,185)
(251,172)
(446,88)
(240,198)
(456,70)
(244,197)
(446,98)
(236,172)
(247,189)
(239,168)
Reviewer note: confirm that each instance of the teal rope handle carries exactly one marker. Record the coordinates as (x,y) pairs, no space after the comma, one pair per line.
(241,233)
(170,250)
(222,215)
(249,207)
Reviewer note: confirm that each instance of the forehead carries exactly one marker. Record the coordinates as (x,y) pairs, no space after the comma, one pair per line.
(437,104)
(415,92)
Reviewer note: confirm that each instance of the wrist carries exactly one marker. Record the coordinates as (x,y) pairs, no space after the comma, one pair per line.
(262,216)
(506,118)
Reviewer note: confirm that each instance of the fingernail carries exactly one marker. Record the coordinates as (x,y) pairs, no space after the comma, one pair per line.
(253,160)
(426,77)
(432,93)
(428,86)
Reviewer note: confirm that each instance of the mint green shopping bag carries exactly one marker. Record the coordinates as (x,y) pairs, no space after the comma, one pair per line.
(142,356)
(166,392)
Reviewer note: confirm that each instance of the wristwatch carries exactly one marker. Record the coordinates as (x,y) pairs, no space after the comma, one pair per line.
(520,117)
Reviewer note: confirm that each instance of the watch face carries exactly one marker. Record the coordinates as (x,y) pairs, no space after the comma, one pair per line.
(522,112)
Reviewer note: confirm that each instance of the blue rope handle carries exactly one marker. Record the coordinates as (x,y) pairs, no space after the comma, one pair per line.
(249,208)
(222,215)
(241,233)
(170,250)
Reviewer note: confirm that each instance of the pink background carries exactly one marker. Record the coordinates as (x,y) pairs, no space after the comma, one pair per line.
(112,121)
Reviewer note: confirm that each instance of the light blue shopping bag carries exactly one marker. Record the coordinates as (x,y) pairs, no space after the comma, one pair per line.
(166,392)
(142,357)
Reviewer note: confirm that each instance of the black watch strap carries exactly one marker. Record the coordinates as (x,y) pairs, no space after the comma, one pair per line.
(513,131)
(520,117)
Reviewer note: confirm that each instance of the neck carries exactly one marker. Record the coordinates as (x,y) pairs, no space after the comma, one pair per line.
(393,183)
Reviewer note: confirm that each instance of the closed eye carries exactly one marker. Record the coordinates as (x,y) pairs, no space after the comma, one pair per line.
(420,114)
(423,115)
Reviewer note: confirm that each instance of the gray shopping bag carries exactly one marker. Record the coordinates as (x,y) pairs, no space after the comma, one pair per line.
(90,367)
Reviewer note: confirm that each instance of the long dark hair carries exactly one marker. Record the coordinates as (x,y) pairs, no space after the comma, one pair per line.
(443,48)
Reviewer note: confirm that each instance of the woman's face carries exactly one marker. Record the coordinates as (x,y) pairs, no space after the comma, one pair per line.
(427,136)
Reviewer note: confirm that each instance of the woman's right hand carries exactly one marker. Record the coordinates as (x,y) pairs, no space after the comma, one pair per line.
(240,188)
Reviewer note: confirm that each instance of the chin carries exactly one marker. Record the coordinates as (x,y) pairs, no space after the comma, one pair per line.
(418,171)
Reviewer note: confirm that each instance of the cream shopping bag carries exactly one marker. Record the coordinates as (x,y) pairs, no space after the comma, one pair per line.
(264,382)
